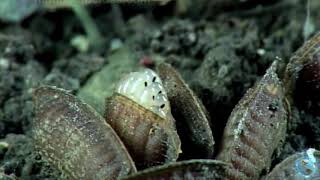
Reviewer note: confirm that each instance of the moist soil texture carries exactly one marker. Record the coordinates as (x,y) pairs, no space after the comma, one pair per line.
(220,50)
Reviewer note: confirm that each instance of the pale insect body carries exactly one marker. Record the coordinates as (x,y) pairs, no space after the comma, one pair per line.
(145,88)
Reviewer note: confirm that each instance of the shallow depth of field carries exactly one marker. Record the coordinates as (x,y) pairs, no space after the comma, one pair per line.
(221,49)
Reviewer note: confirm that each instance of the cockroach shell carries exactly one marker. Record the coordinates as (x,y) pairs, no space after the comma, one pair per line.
(149,138)
(307,92)
(302,76)
(256,127)
(191,117)
(75,138)
(191,169)
(287,170)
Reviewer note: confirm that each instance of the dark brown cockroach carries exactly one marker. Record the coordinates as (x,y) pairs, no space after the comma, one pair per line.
(75,138)
(255,128)
(191,117)
(302,76)
(302,165)
(139,112)
(191,169)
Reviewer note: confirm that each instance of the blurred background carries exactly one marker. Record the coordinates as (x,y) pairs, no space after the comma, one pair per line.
(220,47)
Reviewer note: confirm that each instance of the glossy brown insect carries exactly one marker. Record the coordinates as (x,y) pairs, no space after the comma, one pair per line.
(139,111)
(192,118)
(76,139)
(302,76)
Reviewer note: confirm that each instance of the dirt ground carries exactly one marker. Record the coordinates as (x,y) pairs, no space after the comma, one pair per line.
(220,51)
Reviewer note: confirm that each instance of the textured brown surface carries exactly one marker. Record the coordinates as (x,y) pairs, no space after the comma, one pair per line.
(191,116)
(191,169)
(255,129)
(302,76)
(76,139)
(149,138)
(302,57)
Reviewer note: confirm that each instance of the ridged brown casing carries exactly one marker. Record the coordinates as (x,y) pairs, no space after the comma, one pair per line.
(256,127)
(302,76)
(149,138)
(75,138)
(286,170)
(191,117)
(300,58)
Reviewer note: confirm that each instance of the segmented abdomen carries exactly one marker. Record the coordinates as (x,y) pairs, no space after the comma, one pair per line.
(255,129)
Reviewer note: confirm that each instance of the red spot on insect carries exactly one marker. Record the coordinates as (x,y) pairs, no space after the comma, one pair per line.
(147,61)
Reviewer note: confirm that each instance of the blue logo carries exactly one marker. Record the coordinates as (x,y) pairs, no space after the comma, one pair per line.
(307,166)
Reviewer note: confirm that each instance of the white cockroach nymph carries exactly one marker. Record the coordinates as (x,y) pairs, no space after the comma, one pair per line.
(146,89)
(139,111)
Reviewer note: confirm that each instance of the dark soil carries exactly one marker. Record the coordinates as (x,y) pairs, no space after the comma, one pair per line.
(220,54)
